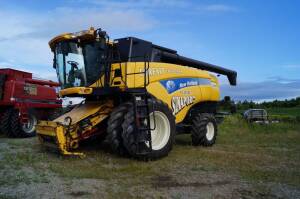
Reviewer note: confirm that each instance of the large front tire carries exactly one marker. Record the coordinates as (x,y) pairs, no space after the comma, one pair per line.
(115,130)
(204,129)
(162,136)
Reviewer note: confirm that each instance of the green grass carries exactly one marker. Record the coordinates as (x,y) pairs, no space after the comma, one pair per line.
(249,152)
(6,197)
(268,153)
(295,111)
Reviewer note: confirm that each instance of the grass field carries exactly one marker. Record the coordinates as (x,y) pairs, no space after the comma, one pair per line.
(248,161)
(295,111)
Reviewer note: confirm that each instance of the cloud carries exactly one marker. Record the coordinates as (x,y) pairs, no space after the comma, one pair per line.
(291,66)
(218,8)
(28,51)
(155,5)
(62,19)
(281,79)
(12,24)
(24,35)
(276,88)
(140,4)
(45,73)
(107,18)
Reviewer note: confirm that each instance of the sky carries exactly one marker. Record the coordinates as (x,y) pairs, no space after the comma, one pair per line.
(258,39)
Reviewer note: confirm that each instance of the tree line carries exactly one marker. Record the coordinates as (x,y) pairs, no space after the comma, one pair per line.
(229,105)
(287,103)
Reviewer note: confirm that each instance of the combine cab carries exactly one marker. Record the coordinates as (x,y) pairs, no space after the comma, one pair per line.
(138,93)
(23,101)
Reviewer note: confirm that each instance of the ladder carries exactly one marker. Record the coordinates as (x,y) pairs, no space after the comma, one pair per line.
(142,109)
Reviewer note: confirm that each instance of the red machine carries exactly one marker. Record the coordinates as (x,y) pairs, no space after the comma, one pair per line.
(24,100)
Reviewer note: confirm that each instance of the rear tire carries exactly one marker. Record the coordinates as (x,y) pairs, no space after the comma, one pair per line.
(204,129)
(23,130)
(114,129)
(5,123)
(162,137)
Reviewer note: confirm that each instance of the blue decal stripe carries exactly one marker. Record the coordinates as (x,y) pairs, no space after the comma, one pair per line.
(173,85)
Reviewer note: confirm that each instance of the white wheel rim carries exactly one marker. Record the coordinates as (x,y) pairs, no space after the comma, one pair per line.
(161,134)
(29,127)
(210,131)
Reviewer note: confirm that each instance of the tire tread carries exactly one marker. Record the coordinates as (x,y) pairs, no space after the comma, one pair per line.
(198,130)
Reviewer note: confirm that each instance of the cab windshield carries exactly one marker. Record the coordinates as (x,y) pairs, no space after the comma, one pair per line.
(79,64)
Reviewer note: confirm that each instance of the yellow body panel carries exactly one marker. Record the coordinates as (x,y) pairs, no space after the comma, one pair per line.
(157,90)
(80,112)
(46,128)
(179,101)
(83,35)
(77,90)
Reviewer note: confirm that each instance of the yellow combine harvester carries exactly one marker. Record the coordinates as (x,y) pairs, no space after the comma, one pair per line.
(137,93)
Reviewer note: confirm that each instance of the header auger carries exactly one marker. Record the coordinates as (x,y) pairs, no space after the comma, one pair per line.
(137,93)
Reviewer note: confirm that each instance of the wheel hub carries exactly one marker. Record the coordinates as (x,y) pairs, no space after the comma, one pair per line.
(161,131)
(29,126)
(210,131)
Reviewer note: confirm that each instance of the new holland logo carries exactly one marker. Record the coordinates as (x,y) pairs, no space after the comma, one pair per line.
(170,85)
(178,103)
